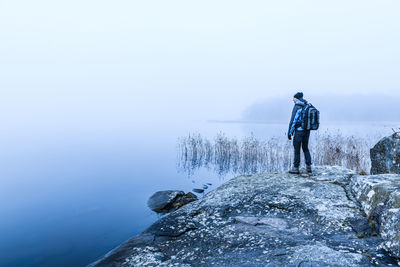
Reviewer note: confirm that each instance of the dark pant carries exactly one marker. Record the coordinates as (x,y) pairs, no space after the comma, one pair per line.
(301,140)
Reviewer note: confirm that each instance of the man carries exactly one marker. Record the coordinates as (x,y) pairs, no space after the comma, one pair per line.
(301,136)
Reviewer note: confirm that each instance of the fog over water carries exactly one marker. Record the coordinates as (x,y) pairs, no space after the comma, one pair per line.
(333,107)
(95,94)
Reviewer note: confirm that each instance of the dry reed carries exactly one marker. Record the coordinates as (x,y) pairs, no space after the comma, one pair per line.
(251,155)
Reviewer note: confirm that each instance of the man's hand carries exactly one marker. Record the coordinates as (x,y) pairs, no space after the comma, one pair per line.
(289,137)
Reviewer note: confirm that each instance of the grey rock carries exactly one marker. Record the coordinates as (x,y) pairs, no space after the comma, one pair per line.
(379,196)
(189,197)
(361,226)
(169,200)
(198,190)
(162,201)
(267,219)
(385,155)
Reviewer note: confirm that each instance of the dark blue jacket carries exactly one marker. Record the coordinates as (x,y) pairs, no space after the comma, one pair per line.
(297,107)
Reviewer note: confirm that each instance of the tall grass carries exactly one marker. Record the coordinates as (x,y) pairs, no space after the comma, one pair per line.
(250,155)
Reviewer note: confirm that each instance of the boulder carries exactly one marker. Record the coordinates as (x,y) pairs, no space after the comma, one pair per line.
(379,196)
(169,200)
(270,219)
(162,201)
(385,155)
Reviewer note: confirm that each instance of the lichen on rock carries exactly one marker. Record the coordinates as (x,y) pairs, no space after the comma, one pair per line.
(379,196)
(385,155)
(271,219)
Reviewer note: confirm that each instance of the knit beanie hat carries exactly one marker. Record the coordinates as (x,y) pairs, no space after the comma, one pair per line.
(298,95)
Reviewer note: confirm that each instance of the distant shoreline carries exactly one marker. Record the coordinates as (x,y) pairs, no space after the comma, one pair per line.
(329,123)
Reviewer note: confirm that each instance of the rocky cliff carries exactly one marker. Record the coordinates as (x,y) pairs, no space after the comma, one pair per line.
(333,217)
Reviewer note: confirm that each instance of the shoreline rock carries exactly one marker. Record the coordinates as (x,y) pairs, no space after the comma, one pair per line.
(169,200)
(379,196)
(385,155)
(273,219)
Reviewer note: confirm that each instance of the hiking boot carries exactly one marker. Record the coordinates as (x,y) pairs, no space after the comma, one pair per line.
(309,170)
(295,170)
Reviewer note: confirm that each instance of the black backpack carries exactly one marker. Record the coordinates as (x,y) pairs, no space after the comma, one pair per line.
(309,117)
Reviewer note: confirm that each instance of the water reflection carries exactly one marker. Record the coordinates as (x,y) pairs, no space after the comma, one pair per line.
(250,155)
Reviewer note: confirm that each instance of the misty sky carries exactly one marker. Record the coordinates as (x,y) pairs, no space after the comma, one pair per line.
(72,63)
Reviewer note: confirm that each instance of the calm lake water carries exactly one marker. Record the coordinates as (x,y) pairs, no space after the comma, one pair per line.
(67,198)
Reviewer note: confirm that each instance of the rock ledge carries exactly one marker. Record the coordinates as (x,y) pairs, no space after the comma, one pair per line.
(277,219)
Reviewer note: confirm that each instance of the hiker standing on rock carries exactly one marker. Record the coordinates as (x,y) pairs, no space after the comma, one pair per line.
(301,136)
